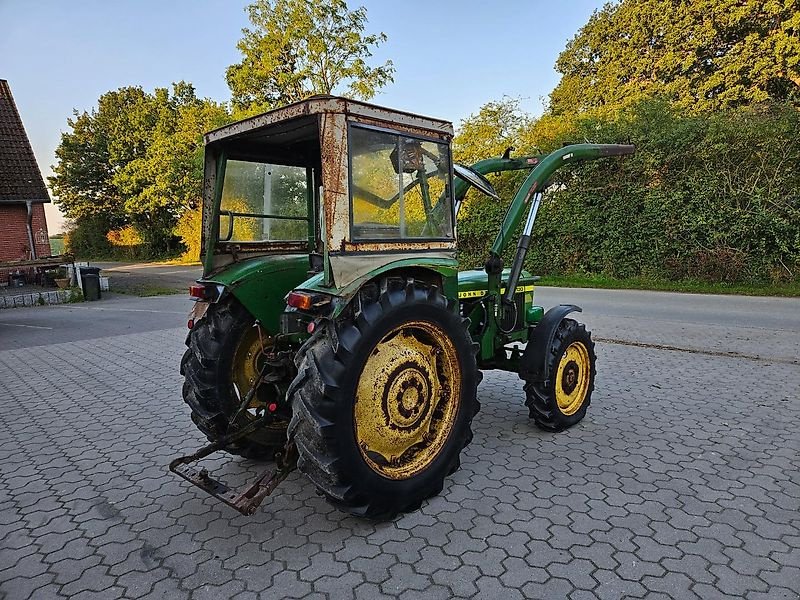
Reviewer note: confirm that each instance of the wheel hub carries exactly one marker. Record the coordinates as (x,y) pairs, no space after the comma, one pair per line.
(572,379)
(407,399)
(247,364)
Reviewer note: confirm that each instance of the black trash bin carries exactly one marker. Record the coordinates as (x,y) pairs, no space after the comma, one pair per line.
(90,279)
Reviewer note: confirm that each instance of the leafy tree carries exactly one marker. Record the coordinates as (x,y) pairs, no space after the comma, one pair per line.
(495,127)
(711,196)
(487,133)
(101,142)
(298,48)
(134,160)
(165,178)
(703,54)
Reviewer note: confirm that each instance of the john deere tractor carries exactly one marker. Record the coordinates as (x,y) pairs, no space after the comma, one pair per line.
(333,328)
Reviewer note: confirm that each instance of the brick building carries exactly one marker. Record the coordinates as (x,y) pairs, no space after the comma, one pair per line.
(23,229)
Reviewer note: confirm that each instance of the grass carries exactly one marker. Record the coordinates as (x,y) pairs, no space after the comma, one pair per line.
(687,286)
(145,289)
(185,262)
(789,290)
(56,245)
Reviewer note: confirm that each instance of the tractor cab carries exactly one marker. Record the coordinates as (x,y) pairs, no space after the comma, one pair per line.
(337,188)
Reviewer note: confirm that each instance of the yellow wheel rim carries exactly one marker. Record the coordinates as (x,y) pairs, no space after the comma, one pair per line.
(407,399)
(247,362)
(572,378)
(245,367)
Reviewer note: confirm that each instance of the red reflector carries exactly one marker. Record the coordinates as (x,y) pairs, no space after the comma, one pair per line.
(272,407)
(311,327)
(190,324)
(198,291)
(299,300)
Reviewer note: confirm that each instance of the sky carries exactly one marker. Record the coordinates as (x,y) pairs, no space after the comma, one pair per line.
(450,56)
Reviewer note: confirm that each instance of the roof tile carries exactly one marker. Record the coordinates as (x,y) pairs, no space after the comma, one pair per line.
(20,178)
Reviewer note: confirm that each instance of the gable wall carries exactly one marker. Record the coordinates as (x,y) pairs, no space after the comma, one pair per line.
(14,235)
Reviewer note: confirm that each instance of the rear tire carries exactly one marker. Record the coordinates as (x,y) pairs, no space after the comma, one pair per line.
(401,338)
(208,385)
(562,400)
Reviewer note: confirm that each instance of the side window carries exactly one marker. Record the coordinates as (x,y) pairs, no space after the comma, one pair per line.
(399,187)
(263,202)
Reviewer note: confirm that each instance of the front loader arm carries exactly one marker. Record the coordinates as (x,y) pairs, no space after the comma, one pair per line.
(532,189)
(536,180)
(527,199)
(495,165)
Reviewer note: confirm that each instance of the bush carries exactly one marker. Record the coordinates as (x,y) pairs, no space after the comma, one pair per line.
(712,197)
(86,238)
(126,242)
(189,230)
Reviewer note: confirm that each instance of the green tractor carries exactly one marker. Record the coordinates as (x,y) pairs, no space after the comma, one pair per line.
(333,329)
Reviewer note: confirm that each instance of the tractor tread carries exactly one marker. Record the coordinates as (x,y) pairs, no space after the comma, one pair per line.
(205,387)
(538,394)
(315,395)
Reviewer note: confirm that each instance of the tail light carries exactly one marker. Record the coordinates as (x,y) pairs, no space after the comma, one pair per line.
(201,292)
(307,300)
(299,300)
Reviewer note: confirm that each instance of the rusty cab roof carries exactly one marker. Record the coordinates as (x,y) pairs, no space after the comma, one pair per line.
(289,121)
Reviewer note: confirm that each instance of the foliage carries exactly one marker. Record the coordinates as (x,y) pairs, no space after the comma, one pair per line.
(189,230)
(126,240)
(86,237)
(125,236)
(165,179)
(704,54)
(297,48)
(190,227)
(246,189)
(495,127)
(89,155)
(74,295)
(135,160)
(710,197)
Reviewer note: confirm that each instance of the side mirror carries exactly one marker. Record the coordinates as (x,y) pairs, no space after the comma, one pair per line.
(475,179)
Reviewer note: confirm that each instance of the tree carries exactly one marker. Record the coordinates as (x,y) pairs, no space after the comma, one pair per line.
(165,179)
(495,127)
(702,55)
(100,144)
(298,48)
(135,160)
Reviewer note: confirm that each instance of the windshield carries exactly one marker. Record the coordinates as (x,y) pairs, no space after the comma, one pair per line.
(400,186)
(263,202)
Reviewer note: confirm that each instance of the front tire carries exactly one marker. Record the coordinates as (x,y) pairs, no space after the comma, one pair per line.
(383,400)
(562,400)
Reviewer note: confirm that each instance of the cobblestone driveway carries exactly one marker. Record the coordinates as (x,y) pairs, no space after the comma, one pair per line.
(682,482)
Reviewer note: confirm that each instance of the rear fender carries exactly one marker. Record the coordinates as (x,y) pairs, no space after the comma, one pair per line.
(439,272)
(261,283)
(534,364)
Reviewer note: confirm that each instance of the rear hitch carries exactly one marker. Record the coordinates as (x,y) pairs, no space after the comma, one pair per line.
(249,497)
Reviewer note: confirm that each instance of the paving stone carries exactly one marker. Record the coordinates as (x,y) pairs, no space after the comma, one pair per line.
(672,487)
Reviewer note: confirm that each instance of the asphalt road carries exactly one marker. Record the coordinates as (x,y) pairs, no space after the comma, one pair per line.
(113,315)
(680,483)
(749,326)
(136,278)
(739,325)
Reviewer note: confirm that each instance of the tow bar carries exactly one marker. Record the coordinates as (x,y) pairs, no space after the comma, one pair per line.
(248,498)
